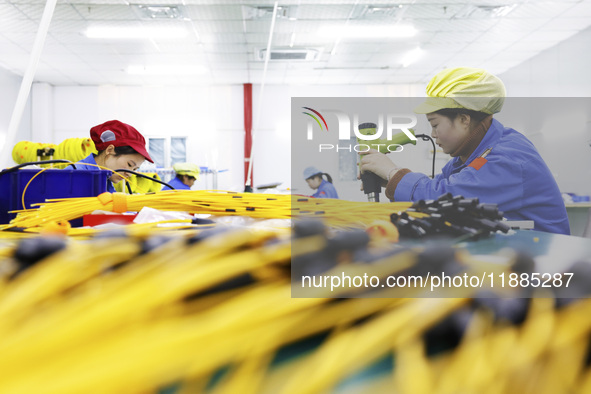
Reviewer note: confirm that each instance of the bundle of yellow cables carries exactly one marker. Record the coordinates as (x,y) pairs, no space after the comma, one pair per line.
(336,213)
(135,315)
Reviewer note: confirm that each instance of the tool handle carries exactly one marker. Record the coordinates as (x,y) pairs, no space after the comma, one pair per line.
(371,184)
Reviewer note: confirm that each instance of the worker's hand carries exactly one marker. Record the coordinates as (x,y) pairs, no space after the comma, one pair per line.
(378,163)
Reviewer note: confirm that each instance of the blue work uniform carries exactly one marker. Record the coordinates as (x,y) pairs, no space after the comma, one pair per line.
(177,184)
(90,160)
(326,190)
(512,175)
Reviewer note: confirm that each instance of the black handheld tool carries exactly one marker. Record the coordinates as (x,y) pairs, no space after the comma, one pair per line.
(371,182)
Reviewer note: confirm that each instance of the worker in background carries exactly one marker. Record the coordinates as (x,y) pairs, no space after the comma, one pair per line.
(324,188)
(186,174)
(119,146)
(489,161)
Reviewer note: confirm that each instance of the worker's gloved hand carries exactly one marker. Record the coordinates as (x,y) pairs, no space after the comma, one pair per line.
(378,163)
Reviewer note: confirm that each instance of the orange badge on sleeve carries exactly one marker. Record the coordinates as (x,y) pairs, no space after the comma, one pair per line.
(478,163)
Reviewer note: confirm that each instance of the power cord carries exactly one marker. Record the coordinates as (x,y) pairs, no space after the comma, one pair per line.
(425,137)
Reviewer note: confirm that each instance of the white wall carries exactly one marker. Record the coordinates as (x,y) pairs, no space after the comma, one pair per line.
(560,71)
(9,87)
(561,134)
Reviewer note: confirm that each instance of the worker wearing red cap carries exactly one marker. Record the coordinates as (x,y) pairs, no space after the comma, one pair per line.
(119,146)
(494,163)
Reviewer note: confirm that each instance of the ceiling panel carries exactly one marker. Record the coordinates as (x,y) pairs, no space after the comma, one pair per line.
(92,48)
(22,39)
(540,9)
(468,25)
(324,11)
(228,57)
(312,39)
(142,48)
(432,11)
(351,57)
(227,66)
(281,26)
(224,37)
(213,12)
(180,47)
(224,48)
(94,12)
(95,58)
(20,25)
(34,11)
(568,24)
(520,25)
(530,44)
(579,10)
(214,27)
(353,48)
(9,11)
(68,26)
(8,49)
(557,35)
(56,59)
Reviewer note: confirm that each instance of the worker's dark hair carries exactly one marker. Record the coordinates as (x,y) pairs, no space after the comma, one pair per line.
(452,113)
(319,175)
(120,150)
(180,176)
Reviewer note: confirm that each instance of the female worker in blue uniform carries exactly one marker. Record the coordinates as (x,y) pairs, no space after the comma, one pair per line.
(186,174)
(324,189)
(489,161)
(119,146)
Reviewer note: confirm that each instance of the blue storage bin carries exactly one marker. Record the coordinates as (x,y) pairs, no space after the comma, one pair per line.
(52,183)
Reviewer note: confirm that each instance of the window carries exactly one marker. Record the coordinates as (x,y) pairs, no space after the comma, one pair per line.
(156,149)
(166,151)
(178,150)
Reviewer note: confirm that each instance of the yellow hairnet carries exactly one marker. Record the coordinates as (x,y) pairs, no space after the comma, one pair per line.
(189,169)
(464,87)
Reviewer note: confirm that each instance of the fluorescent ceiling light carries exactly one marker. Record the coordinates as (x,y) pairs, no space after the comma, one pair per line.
(171,70)
(412,57)
(349,31)
(135,32)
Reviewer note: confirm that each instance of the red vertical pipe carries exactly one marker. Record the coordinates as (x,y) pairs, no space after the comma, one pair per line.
(247,129)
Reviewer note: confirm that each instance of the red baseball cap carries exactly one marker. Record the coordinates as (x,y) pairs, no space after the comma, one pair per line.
(118,134)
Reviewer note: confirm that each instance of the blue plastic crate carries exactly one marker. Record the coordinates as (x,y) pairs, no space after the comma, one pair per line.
(53,183)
